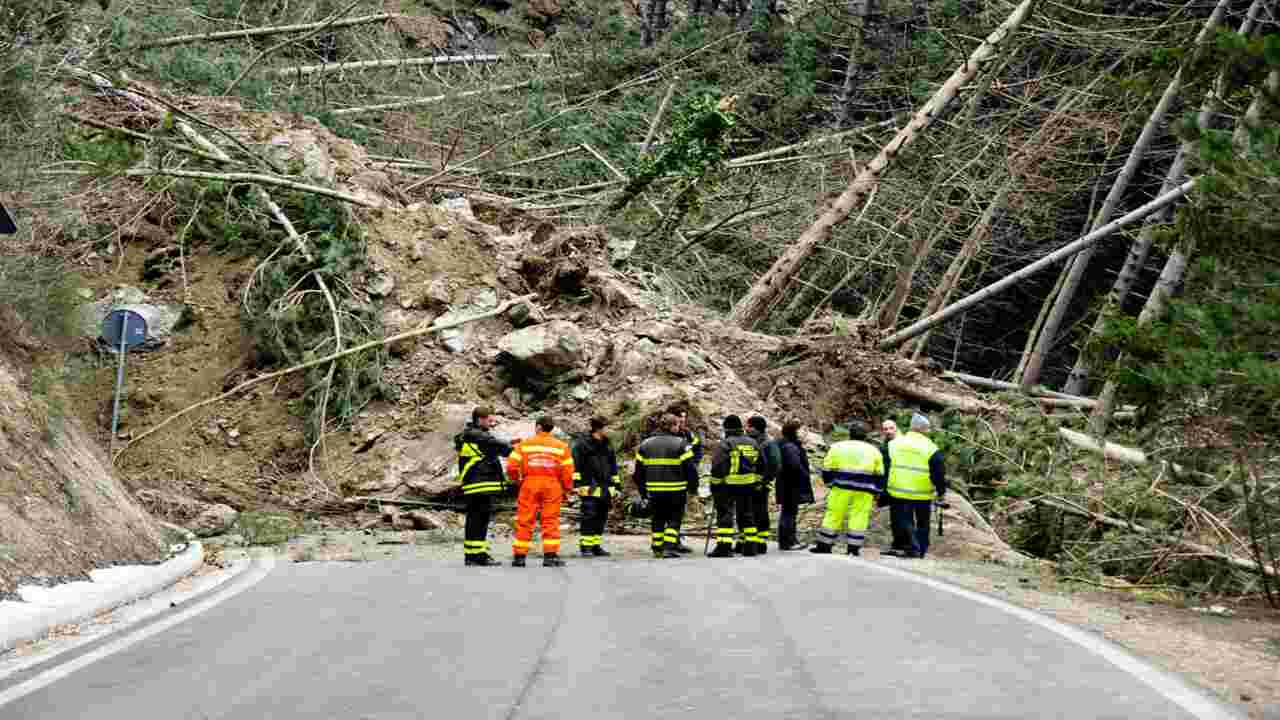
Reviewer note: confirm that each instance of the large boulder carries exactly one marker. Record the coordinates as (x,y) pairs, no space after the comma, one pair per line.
(549,348)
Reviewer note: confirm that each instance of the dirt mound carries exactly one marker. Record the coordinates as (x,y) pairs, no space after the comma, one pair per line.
(61,512)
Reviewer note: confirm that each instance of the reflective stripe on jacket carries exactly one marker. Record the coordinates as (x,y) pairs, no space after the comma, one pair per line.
(909,456)
(542,456)
(664,463)
(479,463)
(854,465)
(738,461)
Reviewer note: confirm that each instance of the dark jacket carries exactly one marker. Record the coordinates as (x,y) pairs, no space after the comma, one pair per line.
(794,484)
(595,465)
(479,460)
(746,452)
(664,463)
(770,458)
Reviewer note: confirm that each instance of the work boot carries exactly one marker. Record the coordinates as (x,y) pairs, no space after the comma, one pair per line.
(659,553)
(480,561)
(552,560)
(517,561)
(749,550)
(762,548)
(585,551)
(598,551)
(821,548)
(739,548)
(683,549)
(723,550)
(855,551)
(792,548)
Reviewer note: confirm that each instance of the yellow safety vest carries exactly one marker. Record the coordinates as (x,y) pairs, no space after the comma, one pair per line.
(854,465)
(909,467)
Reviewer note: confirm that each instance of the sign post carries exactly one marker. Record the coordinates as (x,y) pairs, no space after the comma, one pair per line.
(124,329)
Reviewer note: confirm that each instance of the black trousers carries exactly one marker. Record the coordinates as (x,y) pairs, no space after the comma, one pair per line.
(787,525)
(668,512)
(734,502)
(476,533)
(910,521)
(760,513)
(595,511)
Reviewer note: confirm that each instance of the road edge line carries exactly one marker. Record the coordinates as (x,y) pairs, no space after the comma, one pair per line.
(258,570)
(163,576)
(1199,703)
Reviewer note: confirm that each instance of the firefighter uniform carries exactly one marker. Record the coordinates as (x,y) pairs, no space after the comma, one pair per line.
(597,480)
(916,476)
(543,465)
(770,464)
(664,472)
(854,472)
(480,474)
(735,467)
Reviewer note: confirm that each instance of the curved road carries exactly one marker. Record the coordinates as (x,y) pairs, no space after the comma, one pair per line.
(775,637)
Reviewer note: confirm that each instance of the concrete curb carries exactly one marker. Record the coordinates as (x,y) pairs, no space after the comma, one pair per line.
(156,578)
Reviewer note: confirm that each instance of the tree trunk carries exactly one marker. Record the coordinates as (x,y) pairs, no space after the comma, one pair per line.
(861,10)
(1176,264)
(972,246)
(1075,270)
(1078,380)
(655,21)
(753,307)
(1052,258)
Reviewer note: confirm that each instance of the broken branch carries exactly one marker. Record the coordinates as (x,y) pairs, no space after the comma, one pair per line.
(325,69)
(320,361)
(255,178)
(258,32)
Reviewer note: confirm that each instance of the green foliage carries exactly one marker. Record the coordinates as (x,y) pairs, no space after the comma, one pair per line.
(106,153)
(261,528)
(42,292)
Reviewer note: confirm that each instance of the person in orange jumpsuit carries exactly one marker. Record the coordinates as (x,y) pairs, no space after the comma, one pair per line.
(543,467)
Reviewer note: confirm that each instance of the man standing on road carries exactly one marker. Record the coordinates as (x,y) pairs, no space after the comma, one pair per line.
(664,472)
(758,430)
(695,444)
(736,465)
(854,473)
(480,474)
(596,479)
(917,474)
(794,486)
(543,467)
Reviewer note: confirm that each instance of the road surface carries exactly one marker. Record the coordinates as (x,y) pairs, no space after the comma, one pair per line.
(784,636)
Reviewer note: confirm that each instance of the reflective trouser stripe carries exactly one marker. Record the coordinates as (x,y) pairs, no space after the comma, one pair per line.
(475,547)
(748,534)
(550,545)
(762,536)
(673,538)
(481,487)
(846,509)
(521,545)
(658,539)
(724,536)
(855,539)
(665,486)
(589,541)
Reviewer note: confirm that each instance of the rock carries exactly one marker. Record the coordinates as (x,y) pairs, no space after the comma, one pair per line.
(453,340)
(519,315)
(425,520)
(213,520)
(513,398)
(581,393)
(438,292)
(549,348)
(161,319)
(381,285)
(440,232)
(418,251)
(486,299)
(125,295)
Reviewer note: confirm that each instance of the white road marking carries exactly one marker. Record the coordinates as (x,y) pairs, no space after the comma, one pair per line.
(1194,701)
(251,577)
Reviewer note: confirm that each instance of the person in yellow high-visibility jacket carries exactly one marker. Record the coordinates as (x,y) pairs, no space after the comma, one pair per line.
(854,472)
(917,476)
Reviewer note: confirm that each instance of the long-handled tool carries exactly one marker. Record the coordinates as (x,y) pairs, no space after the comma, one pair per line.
(940,506)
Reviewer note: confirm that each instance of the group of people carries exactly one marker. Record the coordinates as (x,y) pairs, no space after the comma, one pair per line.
(747,468)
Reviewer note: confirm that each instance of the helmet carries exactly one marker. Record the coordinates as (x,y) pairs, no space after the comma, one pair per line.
(858,430)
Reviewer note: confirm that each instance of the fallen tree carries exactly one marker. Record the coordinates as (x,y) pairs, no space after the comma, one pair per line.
(1202,550)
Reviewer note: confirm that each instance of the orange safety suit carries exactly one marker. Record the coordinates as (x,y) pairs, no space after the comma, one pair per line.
(543,466)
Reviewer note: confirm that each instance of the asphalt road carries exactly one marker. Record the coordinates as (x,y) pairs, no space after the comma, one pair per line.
(793,636)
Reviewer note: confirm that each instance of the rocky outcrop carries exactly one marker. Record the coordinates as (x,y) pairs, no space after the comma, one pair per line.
(213,520)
